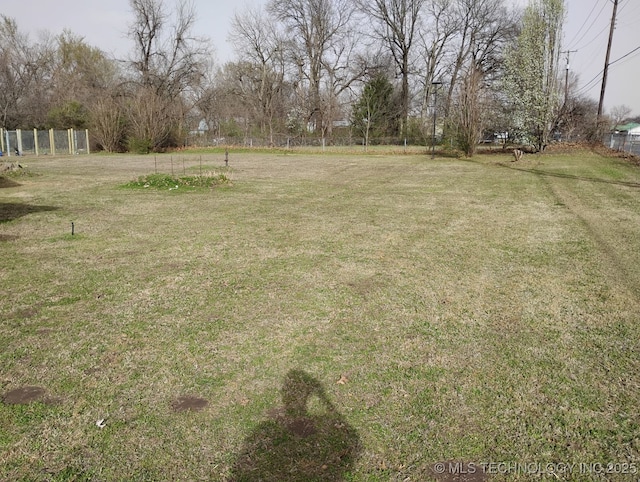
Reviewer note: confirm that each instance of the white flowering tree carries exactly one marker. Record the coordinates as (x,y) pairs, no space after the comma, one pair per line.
(532,80)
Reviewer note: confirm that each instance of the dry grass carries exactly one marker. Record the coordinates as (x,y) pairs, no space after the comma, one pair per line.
(472,311)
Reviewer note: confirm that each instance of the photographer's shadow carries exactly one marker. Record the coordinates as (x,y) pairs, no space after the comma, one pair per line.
(307,439)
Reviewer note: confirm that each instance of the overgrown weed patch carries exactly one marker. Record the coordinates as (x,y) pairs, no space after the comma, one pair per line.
(171,182)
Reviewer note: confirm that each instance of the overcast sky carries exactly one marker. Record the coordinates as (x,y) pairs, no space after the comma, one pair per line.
(103,24)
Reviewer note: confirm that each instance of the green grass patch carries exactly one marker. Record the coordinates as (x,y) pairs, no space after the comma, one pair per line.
(169,182)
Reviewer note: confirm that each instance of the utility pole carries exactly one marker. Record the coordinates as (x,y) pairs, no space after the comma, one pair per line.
(566,80)
(606,61)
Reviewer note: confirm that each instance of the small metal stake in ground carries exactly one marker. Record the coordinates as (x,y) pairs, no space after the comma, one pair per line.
(73,228)
(226,157)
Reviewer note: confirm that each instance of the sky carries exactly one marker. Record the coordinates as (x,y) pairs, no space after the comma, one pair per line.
(104,23)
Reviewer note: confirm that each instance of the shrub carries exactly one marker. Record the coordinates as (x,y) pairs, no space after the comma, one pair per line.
(139,146)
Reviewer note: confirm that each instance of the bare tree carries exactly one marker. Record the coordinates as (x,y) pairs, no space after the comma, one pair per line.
(260,73)
(314,26)
(150,120)
(440,28)
(484,27)
(619,114)
(469,109)
(167,57)
(25,74)
(396,24)
(346,64)
(81,76)
(579,112)
(80,69)
(168,61)
(108,122)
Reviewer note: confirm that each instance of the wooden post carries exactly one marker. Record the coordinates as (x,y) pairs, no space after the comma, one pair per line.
(52,143)
(72,142)
(35,140)
(86,135)
(19,140)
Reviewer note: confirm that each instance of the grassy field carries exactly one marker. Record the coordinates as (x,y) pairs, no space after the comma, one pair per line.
(321,317)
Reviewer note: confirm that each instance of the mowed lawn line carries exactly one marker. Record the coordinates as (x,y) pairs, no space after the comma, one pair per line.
(468,309)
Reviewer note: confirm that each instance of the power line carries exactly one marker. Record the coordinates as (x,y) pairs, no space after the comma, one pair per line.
(593,39)
(629,19)
(623,5)
(626,55)
(593,82)
(574,41)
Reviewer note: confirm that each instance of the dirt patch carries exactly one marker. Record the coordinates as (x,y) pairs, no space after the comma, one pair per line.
(185,404)
(457,471)
(23,395)
(7,237)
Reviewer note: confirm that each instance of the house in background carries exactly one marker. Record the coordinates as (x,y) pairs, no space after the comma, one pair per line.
(631,129)
(626,138)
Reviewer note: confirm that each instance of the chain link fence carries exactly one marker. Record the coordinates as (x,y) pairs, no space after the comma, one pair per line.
(284,141)
(623,142)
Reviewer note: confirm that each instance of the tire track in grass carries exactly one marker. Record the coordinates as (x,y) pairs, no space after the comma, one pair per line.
(563,188)
(618,267)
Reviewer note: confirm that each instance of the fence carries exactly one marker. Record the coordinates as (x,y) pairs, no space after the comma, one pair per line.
(624,142)
(48,142)
(283,141)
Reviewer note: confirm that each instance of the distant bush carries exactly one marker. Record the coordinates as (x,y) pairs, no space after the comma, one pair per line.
(139,146)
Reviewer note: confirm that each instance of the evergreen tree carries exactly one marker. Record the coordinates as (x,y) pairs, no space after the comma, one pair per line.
(375,115)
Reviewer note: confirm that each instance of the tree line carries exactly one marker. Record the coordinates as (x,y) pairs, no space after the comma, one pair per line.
(375,69)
